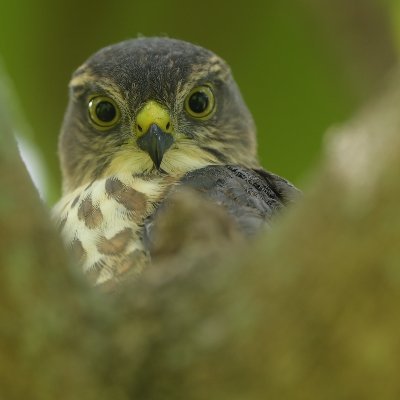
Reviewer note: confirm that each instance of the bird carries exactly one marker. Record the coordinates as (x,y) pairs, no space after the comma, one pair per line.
(147,117)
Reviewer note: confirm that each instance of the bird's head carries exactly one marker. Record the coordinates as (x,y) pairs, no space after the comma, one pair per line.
(153,106)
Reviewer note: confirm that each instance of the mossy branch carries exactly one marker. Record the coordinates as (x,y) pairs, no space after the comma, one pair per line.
(307,311)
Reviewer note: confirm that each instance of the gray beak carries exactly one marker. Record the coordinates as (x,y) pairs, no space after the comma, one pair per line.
(155,142)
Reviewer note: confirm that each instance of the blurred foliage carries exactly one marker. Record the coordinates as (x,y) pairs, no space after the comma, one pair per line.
(302,65)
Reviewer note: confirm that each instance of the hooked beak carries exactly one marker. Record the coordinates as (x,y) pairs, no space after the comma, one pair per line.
(155,142)
(154,129)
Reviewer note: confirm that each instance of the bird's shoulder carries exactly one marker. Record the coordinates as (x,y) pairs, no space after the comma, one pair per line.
(251,196)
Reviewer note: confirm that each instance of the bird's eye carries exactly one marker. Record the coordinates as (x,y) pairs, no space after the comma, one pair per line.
(103,112)
(200,102)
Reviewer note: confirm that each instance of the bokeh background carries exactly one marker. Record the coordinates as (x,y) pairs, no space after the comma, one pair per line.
(302,65)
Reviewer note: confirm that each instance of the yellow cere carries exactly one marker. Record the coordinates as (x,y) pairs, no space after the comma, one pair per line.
(153,113)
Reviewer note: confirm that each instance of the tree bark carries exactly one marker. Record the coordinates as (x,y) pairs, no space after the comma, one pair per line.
(305,311)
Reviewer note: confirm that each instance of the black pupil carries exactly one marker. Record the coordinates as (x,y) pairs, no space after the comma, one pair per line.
(198,102)
(105,111)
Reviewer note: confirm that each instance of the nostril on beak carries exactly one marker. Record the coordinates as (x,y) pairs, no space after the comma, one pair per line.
(167,126)
(140,128)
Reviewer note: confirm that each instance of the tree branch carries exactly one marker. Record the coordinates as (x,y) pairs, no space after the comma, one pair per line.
(307,311)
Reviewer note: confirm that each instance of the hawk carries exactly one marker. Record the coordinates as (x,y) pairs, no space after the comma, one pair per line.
(147,116)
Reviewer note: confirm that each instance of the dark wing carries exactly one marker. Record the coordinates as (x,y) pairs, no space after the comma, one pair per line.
(251,197)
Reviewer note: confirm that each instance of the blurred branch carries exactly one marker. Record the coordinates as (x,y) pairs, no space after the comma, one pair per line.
(42,303)
(306,312)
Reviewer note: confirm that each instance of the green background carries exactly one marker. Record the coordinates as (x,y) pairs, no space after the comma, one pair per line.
(302,65)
